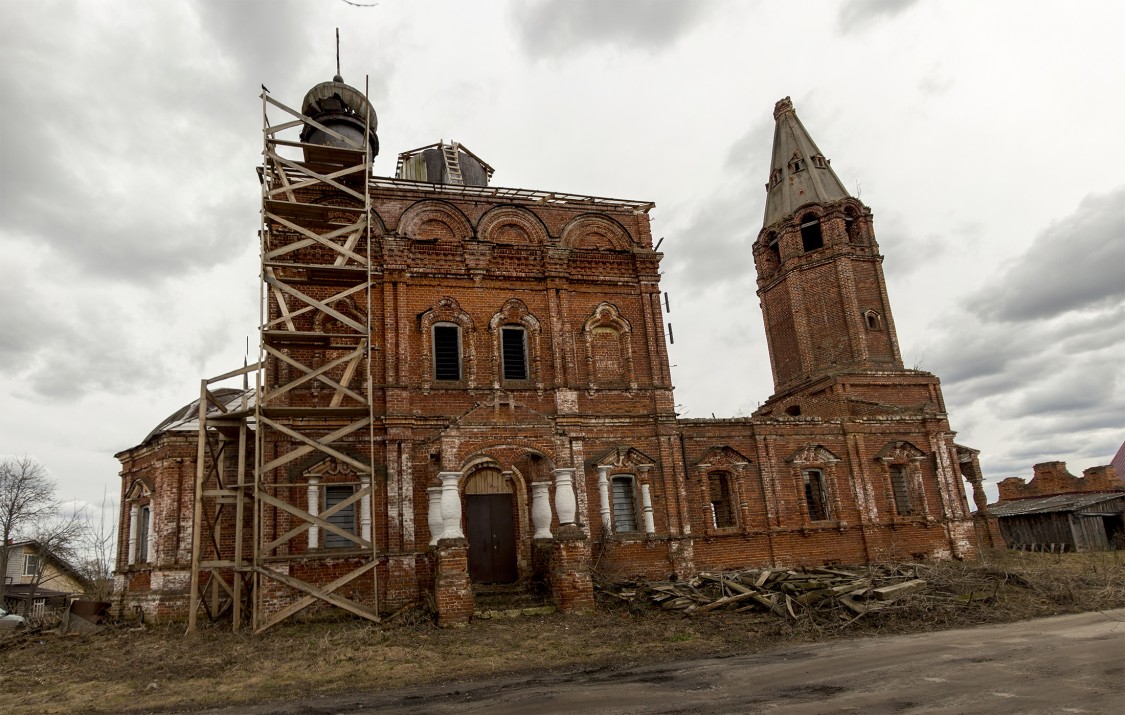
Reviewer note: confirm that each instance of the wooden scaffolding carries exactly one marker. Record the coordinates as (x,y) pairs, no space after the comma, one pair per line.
(312,399)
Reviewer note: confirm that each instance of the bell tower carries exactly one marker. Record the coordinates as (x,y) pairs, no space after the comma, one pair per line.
(820,274)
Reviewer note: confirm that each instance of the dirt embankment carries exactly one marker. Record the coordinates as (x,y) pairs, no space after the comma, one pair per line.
(126,669)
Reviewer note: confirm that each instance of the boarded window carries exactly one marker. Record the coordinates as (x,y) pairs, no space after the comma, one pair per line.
(345,518)
(811,238)
(624,504)
(447,352)
(144,522)
(900,486)
(816,498)
(513,346)
(722,515)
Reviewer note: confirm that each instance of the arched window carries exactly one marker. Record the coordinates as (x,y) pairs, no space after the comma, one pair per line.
(796,164)
(447,352)
(513,352)
(811,238)
(774,245)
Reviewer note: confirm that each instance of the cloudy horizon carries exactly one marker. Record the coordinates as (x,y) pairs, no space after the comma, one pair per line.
(982,136)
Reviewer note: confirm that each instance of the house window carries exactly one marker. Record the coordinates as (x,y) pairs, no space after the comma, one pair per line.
(811,237)
(30,565)
(447,352)
(343,519)
(816,498)
(901,490)
(624,504)
(144,521)
(722,515)
(513,349)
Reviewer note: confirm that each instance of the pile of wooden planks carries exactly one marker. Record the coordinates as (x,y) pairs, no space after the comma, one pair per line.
(786,593)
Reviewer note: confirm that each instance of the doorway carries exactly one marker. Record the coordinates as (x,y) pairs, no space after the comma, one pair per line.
(490,527)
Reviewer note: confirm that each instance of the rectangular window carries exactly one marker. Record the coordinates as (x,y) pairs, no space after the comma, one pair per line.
(447,352)
(30,565)
(513,347)
(143,521)
(816,498)
(344,519)
(722,516)
(901,489)
(624,504)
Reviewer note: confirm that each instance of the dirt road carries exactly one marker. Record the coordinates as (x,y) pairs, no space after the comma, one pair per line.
(1065,664)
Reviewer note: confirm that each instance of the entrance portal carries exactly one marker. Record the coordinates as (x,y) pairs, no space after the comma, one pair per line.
(489,508)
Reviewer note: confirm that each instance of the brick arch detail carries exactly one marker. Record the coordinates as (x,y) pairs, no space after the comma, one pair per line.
(607,315)
(429,210)
(490,224)
(515,312)
(903,453)
(448,310)
(574,233)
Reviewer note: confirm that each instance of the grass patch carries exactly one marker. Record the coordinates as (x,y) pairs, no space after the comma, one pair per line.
(120,669)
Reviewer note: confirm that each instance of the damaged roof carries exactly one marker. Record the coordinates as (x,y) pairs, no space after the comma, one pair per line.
(186,419)
(1056,503)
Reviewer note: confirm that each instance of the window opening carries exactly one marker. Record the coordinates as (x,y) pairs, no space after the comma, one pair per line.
(775,177)
(820,162)
(722,516)
(851,226)
(815,495)
(513,348)
(797,165)
(872,319)
(624,504)
(143,525)
(30,564)
(899,486)
(811,237)
(774,244)
(447,352)
(793,410)
(344,519)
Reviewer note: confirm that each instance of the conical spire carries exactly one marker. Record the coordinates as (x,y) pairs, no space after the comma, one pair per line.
(799,173)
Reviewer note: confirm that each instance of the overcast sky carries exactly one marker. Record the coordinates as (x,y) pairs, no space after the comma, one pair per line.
(985,136)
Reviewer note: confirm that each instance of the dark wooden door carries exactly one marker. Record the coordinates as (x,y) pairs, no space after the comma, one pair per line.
(492,538)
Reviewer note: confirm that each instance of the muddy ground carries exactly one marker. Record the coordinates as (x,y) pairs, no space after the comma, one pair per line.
(154,669)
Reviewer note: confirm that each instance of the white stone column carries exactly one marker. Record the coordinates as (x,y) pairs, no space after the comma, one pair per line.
(541,509)
(565,503)
(433,517)
(450,506)
(603,498)
(150,539)
(313,496)
(365,508)
(134,515)
(646,504)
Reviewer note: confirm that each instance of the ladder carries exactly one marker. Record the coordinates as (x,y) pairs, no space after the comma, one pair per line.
(452,163)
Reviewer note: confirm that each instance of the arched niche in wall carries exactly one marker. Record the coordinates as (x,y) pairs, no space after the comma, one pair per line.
(607,336)
(434,221)
(595,232)
(509,225)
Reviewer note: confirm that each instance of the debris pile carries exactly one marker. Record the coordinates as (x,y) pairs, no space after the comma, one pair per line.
(787,593)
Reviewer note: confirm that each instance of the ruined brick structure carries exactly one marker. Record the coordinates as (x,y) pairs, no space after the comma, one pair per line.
(523,425)
(1051,478)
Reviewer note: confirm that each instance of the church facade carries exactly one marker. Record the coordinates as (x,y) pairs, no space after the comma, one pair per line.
(511,352)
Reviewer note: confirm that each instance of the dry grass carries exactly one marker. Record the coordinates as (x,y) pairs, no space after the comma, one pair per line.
(123,670)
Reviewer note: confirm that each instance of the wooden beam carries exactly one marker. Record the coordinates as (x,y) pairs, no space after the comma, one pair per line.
(310,599)
(302,514)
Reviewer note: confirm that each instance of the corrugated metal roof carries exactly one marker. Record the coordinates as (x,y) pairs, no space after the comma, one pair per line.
(186,419)
(1056,503)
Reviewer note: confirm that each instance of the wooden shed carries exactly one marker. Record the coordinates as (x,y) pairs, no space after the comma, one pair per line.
(1063,522)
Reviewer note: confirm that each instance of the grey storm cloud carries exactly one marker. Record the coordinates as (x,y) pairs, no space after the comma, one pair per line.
(1077,263)
(856,14)
(556,27)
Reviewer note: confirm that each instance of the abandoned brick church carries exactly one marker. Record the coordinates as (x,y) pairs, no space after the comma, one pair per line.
(462,385)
